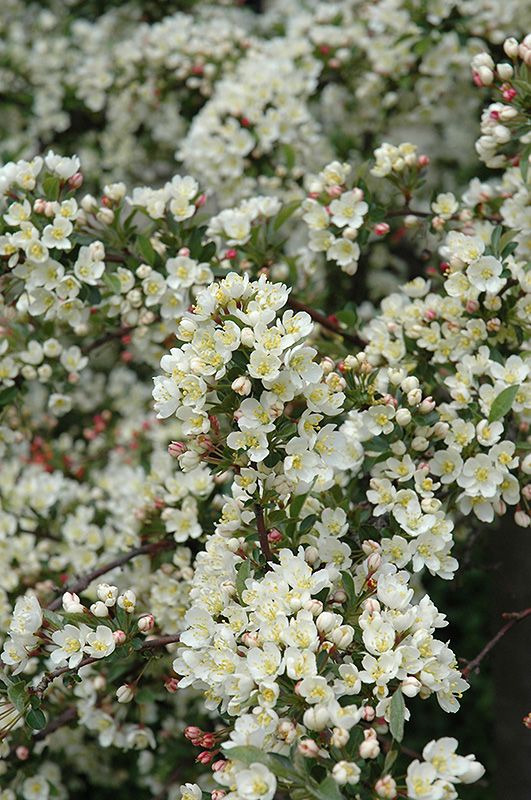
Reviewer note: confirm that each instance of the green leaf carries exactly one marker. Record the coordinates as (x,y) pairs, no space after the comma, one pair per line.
(348,585)
(55,619)
(244,572)
(495,241)
(50,186)
(295,507)
(390,759)
(348,317)
(307,523)
(112,281)
(18,695)
(8,395)
(396,715)
(146,249)
(248,754)
(327,790)
(502,404)
(35,719)
(285,213)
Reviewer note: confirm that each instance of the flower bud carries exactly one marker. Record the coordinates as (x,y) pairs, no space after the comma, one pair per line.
(247,337)
(105,215)
(146,624)
(308,748)
(99,609)
(522,519)
(410,686)
(386,787)
(381,228)
(242,386)
(316,718)
(311,554)
(22,752)
(171,685)
(409,383)
(339,596)
(403,417)
(370,748)
(342,636)
(119,636)
(340,737)
(124,693)
(72,603)
(510,47)
(176,449)
(414,397)
(189,460)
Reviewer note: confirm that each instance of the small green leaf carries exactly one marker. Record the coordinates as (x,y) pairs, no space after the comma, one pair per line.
(244,572)
(35,719)
(248,754)
(502,404)
(295,507)
(307,523)
(495,241)
(8,395)
(348,317)
(146,249)
(327,790)
(396,715)
(18,695)
(348,585)
(50,186)
(390,759)
(285,213)
(112,281)
(53,618)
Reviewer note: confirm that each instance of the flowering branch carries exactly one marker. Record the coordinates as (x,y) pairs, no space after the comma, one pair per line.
(47,679)
(82,583)
(513,617)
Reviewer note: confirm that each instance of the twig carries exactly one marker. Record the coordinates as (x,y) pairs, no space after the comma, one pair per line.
(107,338)
(45,681)
(513,617)
(262,534)
(82,583)
(326,322)
(174,777)
(65,718)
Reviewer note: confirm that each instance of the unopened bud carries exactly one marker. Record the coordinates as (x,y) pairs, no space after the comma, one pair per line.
(146,624)
(124,693)
(119,636)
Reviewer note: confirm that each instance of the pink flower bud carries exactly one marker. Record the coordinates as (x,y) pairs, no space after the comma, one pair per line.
(327,365)
(184,251)
(146,624)
(207,740)
(335,191)
(22,752)
(171,685)
(358,194)
(472,306)
(381,229)
(242,386)
(192,732)
(231,253)
(410,686)
(526,491)
(427,405)
(218,794)
(308,748)
(39,205)
(201,200)
(371,606)
(205,757)
(339,597)
(218,766)
(522,519)
(368,713)
(119,636)
(374,562)
(76,181)
(494,324)
(274,536)
(250,639)
(370,748)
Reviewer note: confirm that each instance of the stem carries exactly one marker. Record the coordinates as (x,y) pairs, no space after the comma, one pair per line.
(325,321)
(82,583)
(513,617)
(107,338)
(262,534)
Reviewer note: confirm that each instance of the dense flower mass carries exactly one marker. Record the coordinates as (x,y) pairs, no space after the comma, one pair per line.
(255,388)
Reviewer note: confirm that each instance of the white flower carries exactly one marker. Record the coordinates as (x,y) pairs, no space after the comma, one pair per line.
(256,783)
(100,643)
(70,641)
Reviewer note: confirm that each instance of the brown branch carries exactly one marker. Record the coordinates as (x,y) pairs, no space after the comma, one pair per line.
(326,322)
(513,617)
(262,534)
(81,584)
(45,681)
(107,338)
